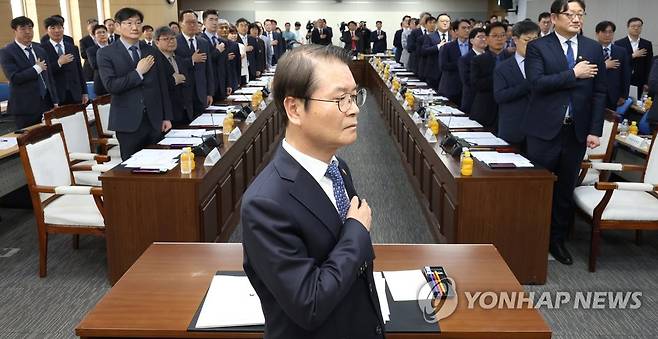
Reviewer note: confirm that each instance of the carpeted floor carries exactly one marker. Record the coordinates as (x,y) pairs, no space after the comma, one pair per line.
(31,307)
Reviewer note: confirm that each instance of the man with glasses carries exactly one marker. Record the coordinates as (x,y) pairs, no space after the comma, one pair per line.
(485,109)
(565,114)
(617,65)
(545,24)
(218,53)
(450,84)
(100,37)
(478,39)
(306,234)
(640,52)
(511,88)
(139,111)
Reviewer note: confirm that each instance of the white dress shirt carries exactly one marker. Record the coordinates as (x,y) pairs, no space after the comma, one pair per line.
(565,47)
(23,47)
(316,168)
(520,60)
(635,44)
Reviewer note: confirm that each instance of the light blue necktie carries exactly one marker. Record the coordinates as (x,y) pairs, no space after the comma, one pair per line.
(59,50)
(342,201)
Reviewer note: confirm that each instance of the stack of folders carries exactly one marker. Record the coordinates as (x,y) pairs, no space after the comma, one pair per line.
(153,160)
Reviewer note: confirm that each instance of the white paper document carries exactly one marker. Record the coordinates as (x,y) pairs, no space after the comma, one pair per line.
(6,143)
(404,73)
(445,110)
(221,107)
(380,285)
(248,90)
(408,285)
(481,138)
(502,158)
(185,133)
(239,98)
(162,159)
(254,83)
(459,122)
(209,119)
(180,141)
(417,84)
(230,301)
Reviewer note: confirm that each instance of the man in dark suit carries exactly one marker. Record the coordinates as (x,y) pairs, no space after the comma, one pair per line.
(31,89)
(378,38)
(429,53)
(65,64)
(450,84)
(111,35)
(350,38)
(307,246)
(617,65)
(565,114)
(250,44)
(414,43)
(397,41)
(277,42)
(232,56)
(363,32)
(484,109)
(139,111)
(86,42)
(197,51)
(100,37)
(640,54)
(218,54)
(321,34)
(147,35)
(511,89)
(652,115)
(478,42)
(181,92)
(66,38)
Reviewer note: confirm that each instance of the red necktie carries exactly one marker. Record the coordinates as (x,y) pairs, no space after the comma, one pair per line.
(353,42)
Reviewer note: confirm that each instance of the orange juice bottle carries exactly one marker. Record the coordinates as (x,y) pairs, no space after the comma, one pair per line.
(467,164)
(186,161)
(633,129)
(228,124)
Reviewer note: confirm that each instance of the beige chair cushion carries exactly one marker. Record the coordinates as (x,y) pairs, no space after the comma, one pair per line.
(104,112)
(591,177)
(87,178)
(75,132)
(651,174)
(624,205)
(49,163)
(76,210)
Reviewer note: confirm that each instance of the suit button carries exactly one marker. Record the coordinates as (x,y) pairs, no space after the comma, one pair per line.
(370,287)
(378,330)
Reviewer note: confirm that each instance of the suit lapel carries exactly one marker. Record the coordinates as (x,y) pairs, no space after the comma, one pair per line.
(558,51)
(307,191)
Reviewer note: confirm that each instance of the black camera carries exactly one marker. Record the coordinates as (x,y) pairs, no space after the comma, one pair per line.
(309,26)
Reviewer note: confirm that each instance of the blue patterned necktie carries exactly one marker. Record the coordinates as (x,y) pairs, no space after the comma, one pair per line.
(33,61)
(135,55)
(342,202)
(606,53)
(571,61)
(59,50)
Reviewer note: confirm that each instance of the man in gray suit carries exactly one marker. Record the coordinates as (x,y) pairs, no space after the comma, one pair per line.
(139,114)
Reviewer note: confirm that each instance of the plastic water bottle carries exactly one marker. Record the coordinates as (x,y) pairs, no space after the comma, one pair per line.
(623,128)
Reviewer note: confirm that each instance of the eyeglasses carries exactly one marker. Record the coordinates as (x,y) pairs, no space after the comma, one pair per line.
(345,103)
(132,23)
(170,38)
(498,36)
(570,16)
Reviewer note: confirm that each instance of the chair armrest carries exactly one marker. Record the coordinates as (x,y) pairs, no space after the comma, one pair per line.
(82,156)
(100,168)
(79,190)
(626,186)
(105,141)
(595,156)
(611,166)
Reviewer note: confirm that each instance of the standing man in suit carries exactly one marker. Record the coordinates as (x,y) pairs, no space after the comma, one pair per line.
(197,51)
(350,38)
(450,84)
(511,88)
(273,50)
(66,38)
(321,35)
(363,45)
(232,56)
(218,54)
(617,65)
(139,111)
(250,43)
(414,43)
(31,89)
(111,28)
(147,35)
(378,38)
(652,115)
(478,42)
(640,52)
(429,53)
(100,37)
(85,43)
(484,109)
(545,24)
(181,92)
(565,114)
(397,41)
(277,40)
(307,246)
(65,64)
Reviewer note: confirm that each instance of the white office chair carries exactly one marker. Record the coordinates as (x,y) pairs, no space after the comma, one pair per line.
(101,107)
(73,119)
(59,205)
(603,153)
(620,205)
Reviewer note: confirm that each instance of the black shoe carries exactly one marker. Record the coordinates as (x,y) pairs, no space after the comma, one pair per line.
(560,253)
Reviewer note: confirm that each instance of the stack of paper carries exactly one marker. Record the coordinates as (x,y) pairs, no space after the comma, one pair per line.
(239,98)
(445,110)
(502,158)
(185,133)
(209,119)
(248,90)
(222,108)
(423,91)
(253,83)
(6,143)
(481,138)
(416,83)
(160,159)
(408,285)
(459,122)
(181,142)
(230,301)
(380,285)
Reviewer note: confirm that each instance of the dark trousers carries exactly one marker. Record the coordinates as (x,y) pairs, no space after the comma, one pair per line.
(455,99)
(68,99)
(398,54)
(132,142)
(562,156)
(27,120)
(243,80)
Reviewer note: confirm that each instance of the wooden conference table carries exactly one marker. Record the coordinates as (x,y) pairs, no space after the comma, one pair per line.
(510,208)
(159,295)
